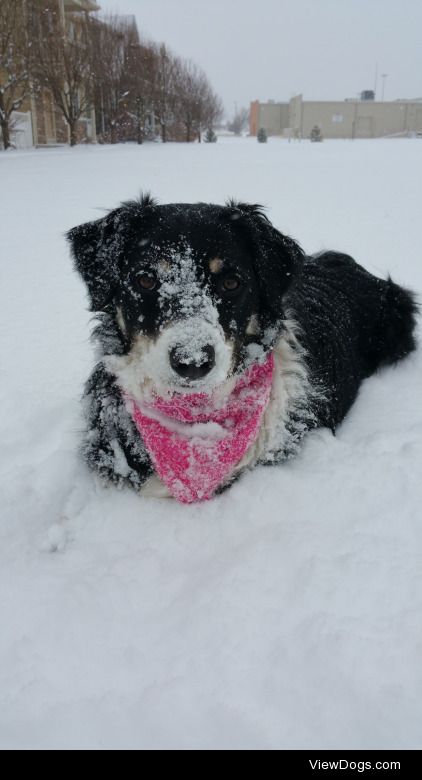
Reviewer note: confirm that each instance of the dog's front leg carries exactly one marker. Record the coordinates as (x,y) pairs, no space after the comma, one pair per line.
(112,445)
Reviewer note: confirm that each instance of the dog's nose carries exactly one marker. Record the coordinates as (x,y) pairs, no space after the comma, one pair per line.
(195,366)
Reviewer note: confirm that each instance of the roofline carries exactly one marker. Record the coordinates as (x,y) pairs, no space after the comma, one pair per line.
(81,5)
(342,100)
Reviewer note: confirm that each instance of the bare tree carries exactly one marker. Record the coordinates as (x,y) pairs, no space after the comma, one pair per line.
(165,89)
(15,55)
(239,122)
(63,62)
(187,96)
(125,78)
(198,108)
(142,77)
(113,39)
(212,110)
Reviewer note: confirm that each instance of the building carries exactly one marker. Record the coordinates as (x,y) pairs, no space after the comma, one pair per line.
(353,118)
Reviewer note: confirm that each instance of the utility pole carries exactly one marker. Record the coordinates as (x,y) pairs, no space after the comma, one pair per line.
(383,76)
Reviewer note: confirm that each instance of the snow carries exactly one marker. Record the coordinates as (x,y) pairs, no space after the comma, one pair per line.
(285,613)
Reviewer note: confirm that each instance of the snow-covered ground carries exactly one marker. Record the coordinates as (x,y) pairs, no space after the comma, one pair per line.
(286,613)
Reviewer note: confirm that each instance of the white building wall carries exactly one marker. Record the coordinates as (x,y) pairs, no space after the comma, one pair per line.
(21,135)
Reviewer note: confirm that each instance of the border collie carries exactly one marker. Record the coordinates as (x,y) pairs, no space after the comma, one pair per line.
(220,343)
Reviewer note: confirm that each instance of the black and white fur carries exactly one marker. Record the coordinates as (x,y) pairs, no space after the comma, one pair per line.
(188,295)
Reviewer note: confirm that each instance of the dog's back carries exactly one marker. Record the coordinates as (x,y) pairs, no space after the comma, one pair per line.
(350,324)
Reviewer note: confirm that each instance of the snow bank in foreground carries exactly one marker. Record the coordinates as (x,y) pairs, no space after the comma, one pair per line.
(285,613)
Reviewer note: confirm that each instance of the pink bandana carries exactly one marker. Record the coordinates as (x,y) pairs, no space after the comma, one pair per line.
(194,442)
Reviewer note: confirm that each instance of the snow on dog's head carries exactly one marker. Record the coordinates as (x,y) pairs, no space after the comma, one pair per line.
(187,294)
(180,344)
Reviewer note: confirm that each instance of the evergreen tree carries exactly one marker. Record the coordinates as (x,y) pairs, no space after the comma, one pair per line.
(210,136)
(316,134)
(262,135)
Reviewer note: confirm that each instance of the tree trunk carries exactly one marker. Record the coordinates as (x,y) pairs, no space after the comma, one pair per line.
(139,122)
(163,133)
(113,133)
(4,124)
(73,127)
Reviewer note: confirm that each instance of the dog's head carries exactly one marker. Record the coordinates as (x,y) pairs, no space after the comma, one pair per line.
(194,291)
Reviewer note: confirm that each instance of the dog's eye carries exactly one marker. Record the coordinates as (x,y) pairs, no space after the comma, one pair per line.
(230,283)
(146,281)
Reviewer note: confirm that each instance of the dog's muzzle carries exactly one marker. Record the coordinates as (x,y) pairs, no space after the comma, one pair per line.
(192,367)
(189,356)
(196,353)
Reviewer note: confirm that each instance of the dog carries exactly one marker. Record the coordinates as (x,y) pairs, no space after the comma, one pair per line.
(220,344)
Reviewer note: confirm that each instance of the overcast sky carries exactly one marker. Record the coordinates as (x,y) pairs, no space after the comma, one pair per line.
(273,49)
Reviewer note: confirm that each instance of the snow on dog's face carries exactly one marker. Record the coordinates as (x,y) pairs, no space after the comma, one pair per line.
(189,294)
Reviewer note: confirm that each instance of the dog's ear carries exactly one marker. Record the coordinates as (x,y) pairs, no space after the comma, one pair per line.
(98,248)
(89,249)
(277,258)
